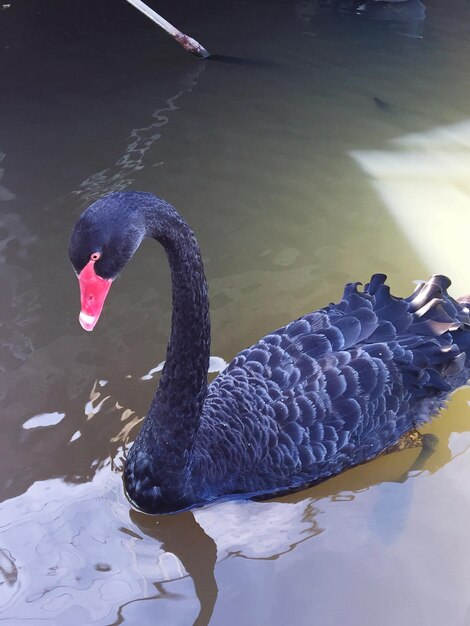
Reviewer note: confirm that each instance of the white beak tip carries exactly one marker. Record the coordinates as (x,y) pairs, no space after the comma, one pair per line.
(87,322)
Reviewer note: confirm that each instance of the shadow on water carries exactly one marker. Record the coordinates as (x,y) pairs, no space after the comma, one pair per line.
(243,61)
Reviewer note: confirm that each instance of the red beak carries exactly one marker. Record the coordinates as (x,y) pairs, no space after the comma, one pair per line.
(93,292)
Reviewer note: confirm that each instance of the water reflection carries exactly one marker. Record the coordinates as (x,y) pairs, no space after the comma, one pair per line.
(403,17)
(140,140)
(43,420)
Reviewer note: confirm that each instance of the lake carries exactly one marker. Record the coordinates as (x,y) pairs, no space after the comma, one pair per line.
(325,141)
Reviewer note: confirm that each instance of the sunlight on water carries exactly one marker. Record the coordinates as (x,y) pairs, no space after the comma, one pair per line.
(45,419)
(424,182)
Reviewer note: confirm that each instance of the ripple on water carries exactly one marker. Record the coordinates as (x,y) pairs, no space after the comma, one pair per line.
(66,546)
(66,551)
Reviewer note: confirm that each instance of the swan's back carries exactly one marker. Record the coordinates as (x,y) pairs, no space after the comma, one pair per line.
(331,389)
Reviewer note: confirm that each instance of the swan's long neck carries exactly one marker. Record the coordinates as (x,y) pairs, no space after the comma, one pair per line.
(168,433)
(184,378)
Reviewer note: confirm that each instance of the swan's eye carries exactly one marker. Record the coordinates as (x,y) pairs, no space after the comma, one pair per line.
(95,256)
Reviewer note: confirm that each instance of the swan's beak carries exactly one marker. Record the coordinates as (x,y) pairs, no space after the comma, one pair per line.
(93,292)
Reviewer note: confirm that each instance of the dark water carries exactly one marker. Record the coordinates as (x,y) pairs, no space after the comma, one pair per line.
(321,144)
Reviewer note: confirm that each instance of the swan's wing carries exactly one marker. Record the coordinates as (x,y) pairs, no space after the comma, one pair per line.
(338,386)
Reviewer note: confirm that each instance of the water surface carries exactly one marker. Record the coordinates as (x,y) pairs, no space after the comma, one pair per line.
(320,145)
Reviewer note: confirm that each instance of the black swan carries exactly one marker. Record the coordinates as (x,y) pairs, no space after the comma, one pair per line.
(328,391)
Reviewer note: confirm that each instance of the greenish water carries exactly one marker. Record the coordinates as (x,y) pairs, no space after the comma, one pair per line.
(328,145)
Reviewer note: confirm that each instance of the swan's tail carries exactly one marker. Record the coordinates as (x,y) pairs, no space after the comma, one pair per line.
(432,333)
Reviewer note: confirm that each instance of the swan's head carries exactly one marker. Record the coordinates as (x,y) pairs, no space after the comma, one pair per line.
(103,240)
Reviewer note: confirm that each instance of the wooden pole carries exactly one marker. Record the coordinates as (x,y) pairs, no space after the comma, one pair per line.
(188,43)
